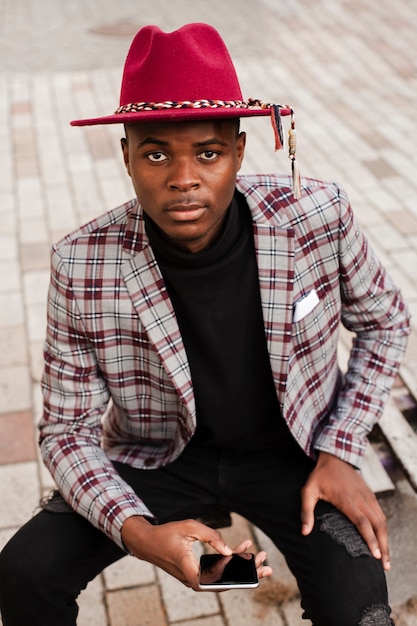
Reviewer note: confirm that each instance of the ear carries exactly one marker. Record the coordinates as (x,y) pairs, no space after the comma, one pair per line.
(240,149)
(125,149)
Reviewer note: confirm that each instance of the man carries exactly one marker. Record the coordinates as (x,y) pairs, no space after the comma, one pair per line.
(191,360)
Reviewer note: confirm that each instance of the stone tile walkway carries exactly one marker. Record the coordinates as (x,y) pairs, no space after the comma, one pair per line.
(348,67)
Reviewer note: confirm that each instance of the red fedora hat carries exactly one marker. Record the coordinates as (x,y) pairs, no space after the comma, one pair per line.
(188,75)
(183,75)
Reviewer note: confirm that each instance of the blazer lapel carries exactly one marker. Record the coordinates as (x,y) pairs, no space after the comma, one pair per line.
(153,306)
(275,255)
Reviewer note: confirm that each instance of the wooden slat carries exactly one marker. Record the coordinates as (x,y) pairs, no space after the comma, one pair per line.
(372,470)
(402,439)
(409,378)
(374,474)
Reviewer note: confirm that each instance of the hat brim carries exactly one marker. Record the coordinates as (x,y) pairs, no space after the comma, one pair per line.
(178,115)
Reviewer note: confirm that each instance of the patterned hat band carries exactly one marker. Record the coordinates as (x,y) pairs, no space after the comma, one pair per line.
(135,107)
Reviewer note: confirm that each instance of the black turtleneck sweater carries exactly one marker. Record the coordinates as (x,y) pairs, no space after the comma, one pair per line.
(215,295)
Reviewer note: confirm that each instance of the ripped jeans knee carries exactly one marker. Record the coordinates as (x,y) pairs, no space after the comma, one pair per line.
(376,615)
(363,575)
(344,533)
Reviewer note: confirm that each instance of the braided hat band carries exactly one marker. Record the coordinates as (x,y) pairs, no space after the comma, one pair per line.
(135,107)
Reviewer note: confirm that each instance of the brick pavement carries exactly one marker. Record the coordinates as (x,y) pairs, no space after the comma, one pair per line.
(349,68)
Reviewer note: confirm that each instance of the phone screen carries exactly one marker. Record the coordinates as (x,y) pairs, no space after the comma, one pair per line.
(228,572)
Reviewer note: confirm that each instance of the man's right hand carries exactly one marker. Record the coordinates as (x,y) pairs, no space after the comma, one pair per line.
(169,546)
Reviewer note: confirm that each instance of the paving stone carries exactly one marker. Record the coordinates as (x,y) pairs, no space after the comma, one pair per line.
(61,212)
(403,221)
(8,247)
(129,572)
(15,389)
(140,606)
(19,493)
(47,483)
(11,309)
(380,168)
(36,362)
(10,275)
(13,344)
(388,239)
(17,438)
(407,260)
(213,620)
(401,512)
(239,607)
(8,224)
(35,285)
(182,603)
(35,256)
(36,320)
(91,604)
(34,231)
(293,614)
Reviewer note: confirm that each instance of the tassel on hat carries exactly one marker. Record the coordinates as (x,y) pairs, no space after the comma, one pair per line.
(292,146)
(277,126)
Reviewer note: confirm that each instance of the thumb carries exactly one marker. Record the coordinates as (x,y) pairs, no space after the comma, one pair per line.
(308,504)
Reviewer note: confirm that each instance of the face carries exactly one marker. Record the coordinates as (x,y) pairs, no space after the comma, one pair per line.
(184,176)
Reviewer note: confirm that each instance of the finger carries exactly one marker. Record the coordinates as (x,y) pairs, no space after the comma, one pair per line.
(365,528)
(382,536)
(308,504)
(381,532)
(260,558)
(200,532)
(264,571)
(374,531)
(188,571)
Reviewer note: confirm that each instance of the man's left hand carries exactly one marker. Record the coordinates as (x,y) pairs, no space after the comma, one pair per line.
(337,482)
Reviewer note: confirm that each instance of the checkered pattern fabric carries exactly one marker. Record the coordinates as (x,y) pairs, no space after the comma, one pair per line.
(117,384)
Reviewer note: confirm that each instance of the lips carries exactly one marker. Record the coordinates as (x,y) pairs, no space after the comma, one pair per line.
(186,212)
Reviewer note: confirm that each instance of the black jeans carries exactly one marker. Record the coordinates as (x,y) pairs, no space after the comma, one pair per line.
(54,556)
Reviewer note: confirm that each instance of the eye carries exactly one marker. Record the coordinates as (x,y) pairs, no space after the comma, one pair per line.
(156,157)
(208,155)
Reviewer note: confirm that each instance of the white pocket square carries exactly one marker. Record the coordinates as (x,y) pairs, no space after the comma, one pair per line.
(304,306)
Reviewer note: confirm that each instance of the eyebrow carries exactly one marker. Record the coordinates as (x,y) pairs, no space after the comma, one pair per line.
(210,142)
(152,140)
(198,144)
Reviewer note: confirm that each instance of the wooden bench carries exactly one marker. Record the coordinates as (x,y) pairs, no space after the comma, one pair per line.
(395,429)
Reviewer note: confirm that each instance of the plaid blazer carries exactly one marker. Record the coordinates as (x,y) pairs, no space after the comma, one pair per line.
(117,384)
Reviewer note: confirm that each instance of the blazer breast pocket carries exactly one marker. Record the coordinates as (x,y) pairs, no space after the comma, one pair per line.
(305,305)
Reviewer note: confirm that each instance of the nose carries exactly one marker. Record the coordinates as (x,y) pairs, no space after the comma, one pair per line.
(183,175)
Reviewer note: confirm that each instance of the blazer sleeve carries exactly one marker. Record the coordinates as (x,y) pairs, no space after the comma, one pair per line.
(75,400)
(374,310)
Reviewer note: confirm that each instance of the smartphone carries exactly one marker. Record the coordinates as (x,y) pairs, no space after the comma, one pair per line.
(218,572)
